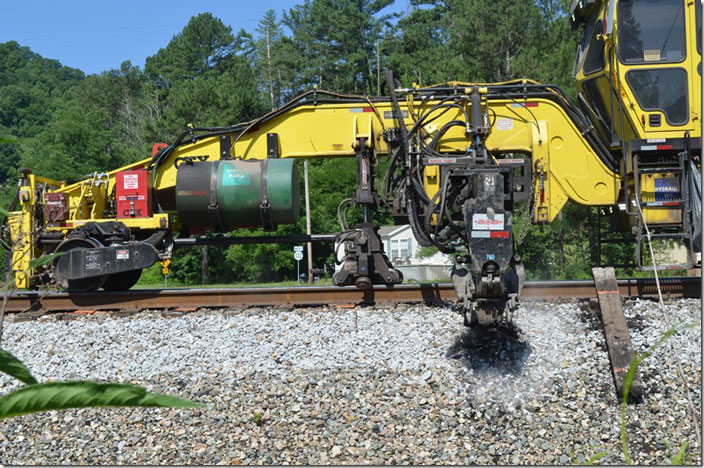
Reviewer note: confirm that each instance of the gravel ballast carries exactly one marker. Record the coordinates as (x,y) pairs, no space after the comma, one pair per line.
(357,386)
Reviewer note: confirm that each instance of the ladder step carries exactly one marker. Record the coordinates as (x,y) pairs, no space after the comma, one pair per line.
(656,170)
(663,203)
(665,267)
(667,235)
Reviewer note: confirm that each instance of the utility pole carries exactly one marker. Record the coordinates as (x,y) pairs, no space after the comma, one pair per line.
(203,264)
(378,70)
(310,244)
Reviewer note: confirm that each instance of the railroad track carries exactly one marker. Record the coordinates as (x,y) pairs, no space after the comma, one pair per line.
(308,296)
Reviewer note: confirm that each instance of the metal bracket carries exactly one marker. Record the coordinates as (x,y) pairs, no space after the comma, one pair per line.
(272,145)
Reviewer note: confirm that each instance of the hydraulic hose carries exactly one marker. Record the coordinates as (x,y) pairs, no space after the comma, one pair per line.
(423,239)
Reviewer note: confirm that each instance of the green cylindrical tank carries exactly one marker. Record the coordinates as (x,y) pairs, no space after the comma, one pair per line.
(236,194)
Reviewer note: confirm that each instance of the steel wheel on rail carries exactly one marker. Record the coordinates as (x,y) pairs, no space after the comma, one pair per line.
(76,285)
(122,281)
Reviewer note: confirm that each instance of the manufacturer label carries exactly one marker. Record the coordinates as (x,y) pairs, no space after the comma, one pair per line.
(122,254)
(93,260)
(652,55)
(130,182)
(656,140)
(482,222)
(232,177)
(504,124)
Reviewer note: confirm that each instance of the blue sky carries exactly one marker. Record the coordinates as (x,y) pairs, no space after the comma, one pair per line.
(98,35)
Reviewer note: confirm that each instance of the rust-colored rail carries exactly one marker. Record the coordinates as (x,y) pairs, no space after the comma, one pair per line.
(303,296)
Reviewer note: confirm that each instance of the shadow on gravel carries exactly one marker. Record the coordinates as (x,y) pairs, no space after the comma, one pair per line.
(491,349)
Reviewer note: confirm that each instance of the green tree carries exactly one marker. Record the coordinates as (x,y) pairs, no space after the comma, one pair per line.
(97,128)
(31,89)
(270,71)
(203,76)
(551,57)
(421,50)
(262,262)
(333,44)
(205,43)
(490,36)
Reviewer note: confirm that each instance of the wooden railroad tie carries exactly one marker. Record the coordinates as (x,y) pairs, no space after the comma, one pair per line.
(618,340)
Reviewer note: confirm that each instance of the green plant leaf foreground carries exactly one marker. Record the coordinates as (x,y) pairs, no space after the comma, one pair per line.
(83,394)
(595,458)
(12,366)
(7,140)
(679,457)
(630,375)
(44,259)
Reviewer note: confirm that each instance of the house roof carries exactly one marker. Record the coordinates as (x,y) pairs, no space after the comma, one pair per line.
(392,230)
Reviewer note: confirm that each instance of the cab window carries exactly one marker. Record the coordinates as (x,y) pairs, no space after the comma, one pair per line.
(593,96)
(651,31)
(584,43)
(662,89)
(595,55)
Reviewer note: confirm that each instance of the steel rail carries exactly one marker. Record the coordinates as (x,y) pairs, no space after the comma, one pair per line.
(327,295)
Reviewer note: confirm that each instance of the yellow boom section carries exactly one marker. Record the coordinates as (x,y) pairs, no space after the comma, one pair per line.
(538,128)
(565,165)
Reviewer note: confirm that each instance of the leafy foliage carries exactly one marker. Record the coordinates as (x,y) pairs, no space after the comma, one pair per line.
(204,44)
(680,457)
(427,252)
(31,89)
(332,44)
(13,367)
(82,394)
(628,383)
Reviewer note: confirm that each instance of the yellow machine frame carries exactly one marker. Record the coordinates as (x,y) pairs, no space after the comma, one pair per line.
(564,163)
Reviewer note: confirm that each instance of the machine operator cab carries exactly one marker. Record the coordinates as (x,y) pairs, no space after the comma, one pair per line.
(638,73)
(649,52)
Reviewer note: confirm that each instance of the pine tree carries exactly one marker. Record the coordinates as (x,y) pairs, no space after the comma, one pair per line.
(333,44)
(268,62)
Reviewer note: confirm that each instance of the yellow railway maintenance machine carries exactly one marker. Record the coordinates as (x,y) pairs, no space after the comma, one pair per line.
(457,157)
(638,70)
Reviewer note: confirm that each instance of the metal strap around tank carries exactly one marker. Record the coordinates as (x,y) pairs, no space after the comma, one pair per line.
(214,207)
(265,206)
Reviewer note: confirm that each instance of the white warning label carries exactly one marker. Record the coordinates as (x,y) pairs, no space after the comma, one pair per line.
(482,222)
(130,182)
(122,254)
(504,124)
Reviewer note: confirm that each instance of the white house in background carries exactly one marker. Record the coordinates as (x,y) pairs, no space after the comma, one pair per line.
(402,249)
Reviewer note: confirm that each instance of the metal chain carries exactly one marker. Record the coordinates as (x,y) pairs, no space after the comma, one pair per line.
(523,232)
